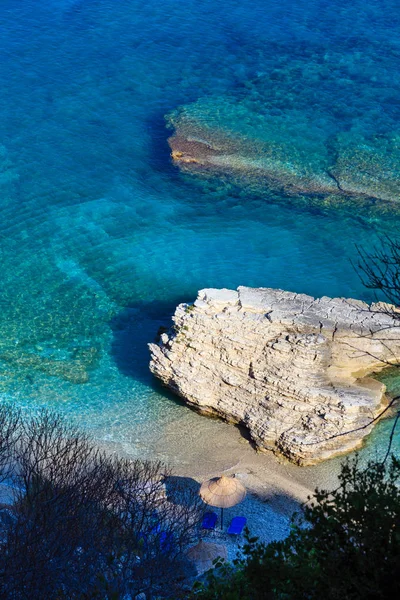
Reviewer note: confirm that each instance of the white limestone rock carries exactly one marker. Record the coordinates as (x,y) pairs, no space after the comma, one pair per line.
(291,368)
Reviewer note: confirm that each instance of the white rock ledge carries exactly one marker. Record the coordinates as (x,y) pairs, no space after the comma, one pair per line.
(290,368)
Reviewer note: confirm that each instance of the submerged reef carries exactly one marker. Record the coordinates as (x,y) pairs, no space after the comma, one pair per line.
(294,370)
(72,366)
(310,123)
(287,152)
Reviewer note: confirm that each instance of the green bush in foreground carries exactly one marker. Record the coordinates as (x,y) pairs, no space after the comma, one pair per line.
(345,545)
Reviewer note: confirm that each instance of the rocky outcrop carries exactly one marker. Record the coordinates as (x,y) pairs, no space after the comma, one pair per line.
(289,152)
(291,368)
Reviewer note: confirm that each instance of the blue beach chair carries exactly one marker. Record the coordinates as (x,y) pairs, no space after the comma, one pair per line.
(166,541)
(155,529)
(209,520)
(237,525)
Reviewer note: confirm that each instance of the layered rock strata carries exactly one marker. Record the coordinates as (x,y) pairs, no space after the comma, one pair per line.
(290,368)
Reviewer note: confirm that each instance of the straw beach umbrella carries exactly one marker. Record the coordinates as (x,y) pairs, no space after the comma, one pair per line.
(223,492)
(204,553)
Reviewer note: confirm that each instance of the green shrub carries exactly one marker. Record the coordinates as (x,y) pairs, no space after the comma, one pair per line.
(345,545)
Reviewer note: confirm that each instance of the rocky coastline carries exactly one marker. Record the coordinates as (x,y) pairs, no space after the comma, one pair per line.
(294,370)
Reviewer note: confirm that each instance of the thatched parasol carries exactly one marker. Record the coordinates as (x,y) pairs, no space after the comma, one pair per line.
(204,553)
(223,492)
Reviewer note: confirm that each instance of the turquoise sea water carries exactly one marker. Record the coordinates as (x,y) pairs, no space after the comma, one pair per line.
(101,237)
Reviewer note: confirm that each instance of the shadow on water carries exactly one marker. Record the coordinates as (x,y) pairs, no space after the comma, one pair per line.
(159,150)
(133,329)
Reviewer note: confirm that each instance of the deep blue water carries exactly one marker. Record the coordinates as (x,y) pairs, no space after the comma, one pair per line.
(101,237)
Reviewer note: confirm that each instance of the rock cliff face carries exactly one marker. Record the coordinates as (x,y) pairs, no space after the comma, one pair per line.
(291,368)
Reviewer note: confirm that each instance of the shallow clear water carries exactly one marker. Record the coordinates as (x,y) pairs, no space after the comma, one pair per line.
(100,237)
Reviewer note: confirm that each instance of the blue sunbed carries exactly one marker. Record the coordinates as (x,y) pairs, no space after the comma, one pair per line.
(166,541)
(237,525)
(155,529)
(209,520)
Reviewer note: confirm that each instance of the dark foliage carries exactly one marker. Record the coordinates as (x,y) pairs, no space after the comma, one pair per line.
(84,524)
(345,545)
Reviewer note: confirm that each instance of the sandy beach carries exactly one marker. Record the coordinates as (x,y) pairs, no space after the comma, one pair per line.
(201,448)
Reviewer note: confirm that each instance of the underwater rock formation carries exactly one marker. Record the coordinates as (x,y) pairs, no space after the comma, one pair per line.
(290,368)
(283,150)
(73,367)
(370,167)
